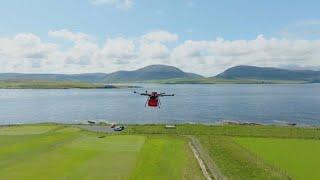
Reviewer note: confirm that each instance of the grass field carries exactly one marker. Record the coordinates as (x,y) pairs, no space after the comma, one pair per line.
(50,151)
(166,154)
(235,161)
(229,130)
(37,84)
(25,130)
(58,152)
(298,157)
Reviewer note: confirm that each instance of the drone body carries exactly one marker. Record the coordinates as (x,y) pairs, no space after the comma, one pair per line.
(154,98)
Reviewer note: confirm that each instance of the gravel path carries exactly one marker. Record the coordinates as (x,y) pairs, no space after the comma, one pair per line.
(201,163)
(206,160)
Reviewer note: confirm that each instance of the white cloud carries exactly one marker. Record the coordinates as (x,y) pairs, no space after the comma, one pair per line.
(24,52)
(121,4)
(191,49)
(26,46)
(28,53)
(153,50)
(221,54)
(160,36)
(81,54)
(72,36)
(119,48)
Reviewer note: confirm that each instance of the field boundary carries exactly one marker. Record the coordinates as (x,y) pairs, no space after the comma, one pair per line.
(205,161)
(201,163)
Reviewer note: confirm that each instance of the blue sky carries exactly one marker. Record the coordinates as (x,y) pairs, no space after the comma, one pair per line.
(190,20)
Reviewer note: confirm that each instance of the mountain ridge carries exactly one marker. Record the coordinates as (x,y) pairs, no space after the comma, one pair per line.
(152,72)
(268,73)
(161,73)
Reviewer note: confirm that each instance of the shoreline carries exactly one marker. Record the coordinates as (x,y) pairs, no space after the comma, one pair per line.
(218,124)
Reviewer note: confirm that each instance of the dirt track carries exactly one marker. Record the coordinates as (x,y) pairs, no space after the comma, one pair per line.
(206,159)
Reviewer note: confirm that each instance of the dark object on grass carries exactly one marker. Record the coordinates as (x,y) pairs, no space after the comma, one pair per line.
(101,136)
(113,126)
(251,123)
(91,122)
(170,126)
(119,128)
(292,124)
(229,122)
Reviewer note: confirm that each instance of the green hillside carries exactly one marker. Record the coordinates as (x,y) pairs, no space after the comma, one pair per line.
(214,80)
(54,85)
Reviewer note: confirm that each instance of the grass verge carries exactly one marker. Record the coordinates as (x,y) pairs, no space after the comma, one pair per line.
(298,157)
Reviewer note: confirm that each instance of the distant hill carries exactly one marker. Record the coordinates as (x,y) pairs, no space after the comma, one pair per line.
(267,73)
(153,72)
(173,75)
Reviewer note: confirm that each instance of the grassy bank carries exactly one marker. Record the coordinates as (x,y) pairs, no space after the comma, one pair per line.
(63,152)
(230,130)
(55,85)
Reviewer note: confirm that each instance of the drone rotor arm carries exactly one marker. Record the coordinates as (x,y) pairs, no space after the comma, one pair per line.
(142,94)
(167,94)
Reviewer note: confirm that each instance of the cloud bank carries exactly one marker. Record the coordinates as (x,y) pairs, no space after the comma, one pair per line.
(28,53)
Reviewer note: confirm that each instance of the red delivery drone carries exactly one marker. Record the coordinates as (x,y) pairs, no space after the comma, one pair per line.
(153,98)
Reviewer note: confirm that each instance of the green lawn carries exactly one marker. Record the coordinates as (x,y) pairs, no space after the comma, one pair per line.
(62,152)
(25,130)
(236,162)
(166,154)
(39,84)
(298,157)
(233,160)
(49,151)
(229,130)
